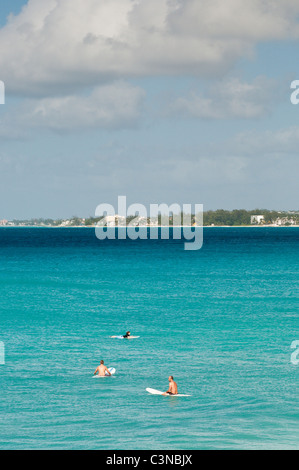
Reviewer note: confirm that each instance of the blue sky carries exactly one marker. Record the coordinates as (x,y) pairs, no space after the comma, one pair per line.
(185,102)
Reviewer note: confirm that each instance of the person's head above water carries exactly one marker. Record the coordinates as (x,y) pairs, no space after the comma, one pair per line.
(128,333)
(170,378)
(102,362)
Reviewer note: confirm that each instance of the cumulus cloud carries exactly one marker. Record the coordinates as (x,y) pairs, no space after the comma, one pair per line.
(227,99)
(110,106)
(280,143)
(56,45)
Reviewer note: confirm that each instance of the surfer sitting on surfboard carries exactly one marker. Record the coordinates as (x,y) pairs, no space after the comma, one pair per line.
(102,370)
(173,388)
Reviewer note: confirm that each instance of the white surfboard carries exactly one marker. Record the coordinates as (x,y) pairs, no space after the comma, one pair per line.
(158,392)
(121,337)
(111,370)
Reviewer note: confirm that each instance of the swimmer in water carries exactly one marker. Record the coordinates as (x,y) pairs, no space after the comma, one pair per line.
(101,370)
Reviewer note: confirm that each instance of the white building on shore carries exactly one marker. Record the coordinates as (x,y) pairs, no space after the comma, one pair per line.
(257,219)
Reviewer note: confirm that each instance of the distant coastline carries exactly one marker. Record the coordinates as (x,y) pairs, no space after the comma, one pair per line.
(218,218)
(151,226)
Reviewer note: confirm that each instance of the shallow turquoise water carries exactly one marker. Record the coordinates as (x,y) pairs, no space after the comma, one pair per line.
(221,320)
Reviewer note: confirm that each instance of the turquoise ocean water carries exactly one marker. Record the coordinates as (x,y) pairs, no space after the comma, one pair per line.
(221,320)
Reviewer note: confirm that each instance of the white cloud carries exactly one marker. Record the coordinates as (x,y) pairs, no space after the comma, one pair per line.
(280,144)
(227,99)
(56,45)
(110,106)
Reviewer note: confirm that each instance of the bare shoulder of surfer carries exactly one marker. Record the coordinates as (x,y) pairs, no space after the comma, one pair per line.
(101,370)
(173,388)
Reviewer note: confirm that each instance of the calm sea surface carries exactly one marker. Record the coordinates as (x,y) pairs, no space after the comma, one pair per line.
(221,320)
